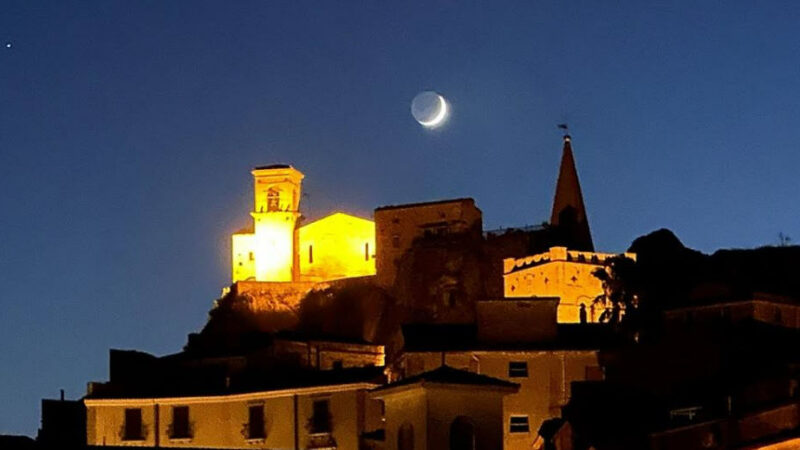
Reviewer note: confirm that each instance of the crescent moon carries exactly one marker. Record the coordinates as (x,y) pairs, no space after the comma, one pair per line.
(439,116)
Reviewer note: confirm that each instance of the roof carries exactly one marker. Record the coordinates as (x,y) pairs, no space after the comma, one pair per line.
(449,375)
(197,383)
(245,230)
(568,196)
(336,215)
(273,166)
(415,205)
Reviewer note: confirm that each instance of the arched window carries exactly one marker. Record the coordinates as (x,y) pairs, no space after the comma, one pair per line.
(462,434)
(273,200)
(405,437)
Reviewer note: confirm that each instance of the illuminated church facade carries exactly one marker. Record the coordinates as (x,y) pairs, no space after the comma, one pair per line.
(277,248)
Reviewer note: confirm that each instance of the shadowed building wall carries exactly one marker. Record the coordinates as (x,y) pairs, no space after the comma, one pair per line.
(399,226)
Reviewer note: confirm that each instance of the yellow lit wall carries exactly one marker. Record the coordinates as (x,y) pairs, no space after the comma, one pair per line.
(243,257)
(559,273)
(337,246)
(219,421)
(274,249)
(273,242)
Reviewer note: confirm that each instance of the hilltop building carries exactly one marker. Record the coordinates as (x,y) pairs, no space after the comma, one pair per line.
(277,248)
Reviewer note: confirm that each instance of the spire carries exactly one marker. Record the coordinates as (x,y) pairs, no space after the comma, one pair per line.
(569,214)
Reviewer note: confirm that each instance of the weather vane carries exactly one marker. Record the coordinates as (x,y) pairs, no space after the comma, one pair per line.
(565,127)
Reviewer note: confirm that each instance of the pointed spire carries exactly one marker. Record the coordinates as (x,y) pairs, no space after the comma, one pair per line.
(569,213)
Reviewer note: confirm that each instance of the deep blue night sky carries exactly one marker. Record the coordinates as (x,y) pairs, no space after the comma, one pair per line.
(127,130)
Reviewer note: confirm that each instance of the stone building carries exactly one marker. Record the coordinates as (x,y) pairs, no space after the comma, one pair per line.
(399,226)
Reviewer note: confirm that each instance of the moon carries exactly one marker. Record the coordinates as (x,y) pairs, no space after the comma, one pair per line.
(429,109)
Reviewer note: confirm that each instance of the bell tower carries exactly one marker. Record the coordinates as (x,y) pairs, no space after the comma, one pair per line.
(276,202)
(569,213)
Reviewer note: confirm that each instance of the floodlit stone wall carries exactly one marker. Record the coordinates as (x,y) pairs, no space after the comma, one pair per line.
(275,249)
(559,273)
(336,246)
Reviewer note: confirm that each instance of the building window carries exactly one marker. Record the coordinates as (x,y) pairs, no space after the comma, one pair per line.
(133,430)
(338,364)
(273,200)
(366,251)
(310,254)
(396,241)
(321,418)
(252,256)
(518,424)
(517,369)
(180,429)
(255,424)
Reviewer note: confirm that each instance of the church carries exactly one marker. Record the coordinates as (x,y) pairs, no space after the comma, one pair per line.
(276,247)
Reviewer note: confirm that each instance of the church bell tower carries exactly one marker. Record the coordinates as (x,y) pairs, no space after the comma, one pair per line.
(276,204)
(569,213)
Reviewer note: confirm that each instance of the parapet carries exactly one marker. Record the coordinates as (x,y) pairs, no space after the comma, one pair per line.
(560,254)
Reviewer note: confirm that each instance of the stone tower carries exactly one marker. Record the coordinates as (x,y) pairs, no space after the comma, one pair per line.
(275,212)
(569,214)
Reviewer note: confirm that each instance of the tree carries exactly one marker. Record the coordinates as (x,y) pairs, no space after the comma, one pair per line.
(620,299)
